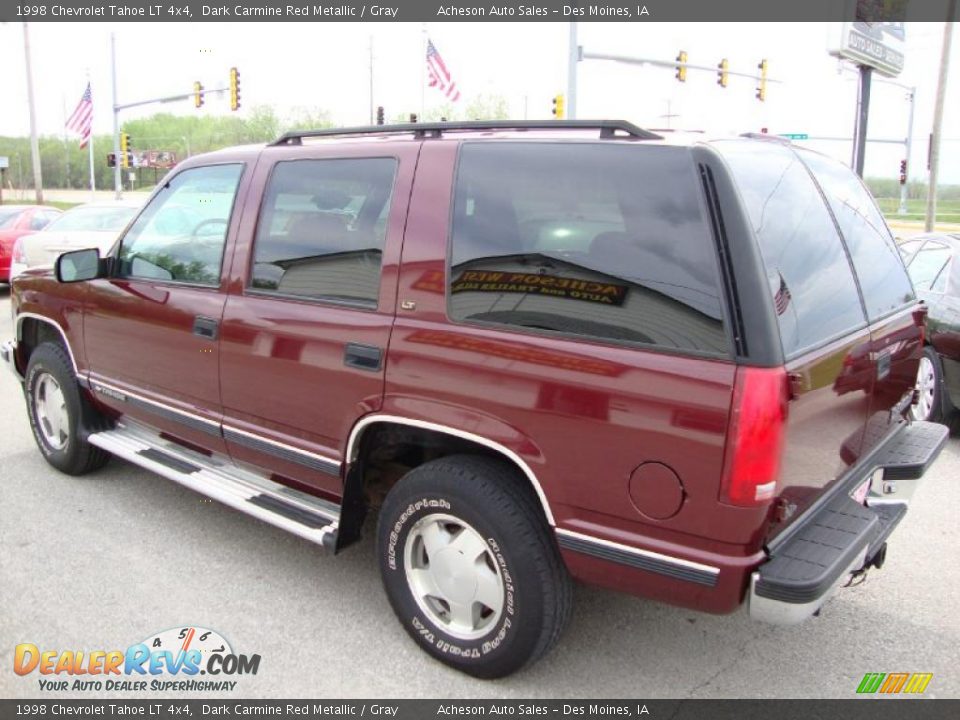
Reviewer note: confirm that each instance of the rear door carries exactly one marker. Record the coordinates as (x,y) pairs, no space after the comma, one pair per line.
(823,327)
(888,296)
(308,319)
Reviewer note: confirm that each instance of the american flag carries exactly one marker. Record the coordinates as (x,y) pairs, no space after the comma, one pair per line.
(438,76)
(81,121)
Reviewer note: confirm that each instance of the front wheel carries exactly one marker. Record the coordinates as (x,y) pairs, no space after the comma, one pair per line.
(58,412)
(471,567)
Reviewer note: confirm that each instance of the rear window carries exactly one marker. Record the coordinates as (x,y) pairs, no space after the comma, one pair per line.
(593,240)
(808,273)
(876,260)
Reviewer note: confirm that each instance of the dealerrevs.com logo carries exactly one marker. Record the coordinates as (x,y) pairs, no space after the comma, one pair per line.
(172,661)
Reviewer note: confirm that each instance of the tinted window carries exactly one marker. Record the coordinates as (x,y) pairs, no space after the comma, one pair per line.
(598,240)
(322,228)
(181,233)
(39,220)
(883,279)
(808,273)
(927,265)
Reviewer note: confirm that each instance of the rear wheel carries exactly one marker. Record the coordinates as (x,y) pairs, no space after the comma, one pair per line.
(471,567)
(59,413)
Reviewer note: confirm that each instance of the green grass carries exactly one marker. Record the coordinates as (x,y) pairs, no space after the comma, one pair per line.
(948,211)
(61,205)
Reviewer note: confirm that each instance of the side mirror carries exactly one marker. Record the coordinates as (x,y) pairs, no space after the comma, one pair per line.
(77,266)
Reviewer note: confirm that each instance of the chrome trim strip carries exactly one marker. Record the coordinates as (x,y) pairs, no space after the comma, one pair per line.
(94,382)
(310,459)
(650,554)
(370,419)
(49,321)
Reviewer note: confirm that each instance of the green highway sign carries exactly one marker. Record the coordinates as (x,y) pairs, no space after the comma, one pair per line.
(795,136)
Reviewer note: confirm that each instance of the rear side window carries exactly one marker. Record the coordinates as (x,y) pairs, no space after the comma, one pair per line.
(809,276)
(929,265)
(883,278)
(322,227)
(595,240)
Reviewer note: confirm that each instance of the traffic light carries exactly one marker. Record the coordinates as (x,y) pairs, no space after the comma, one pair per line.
(413,117)
(558,108)
(722,73)
(903,172)
(111,160)
(234,89)
(682,66)
(380,120)
(197,94)
(762,87)
(124,150)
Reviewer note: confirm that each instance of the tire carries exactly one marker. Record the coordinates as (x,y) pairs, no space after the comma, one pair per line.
(59,414)
(471,567)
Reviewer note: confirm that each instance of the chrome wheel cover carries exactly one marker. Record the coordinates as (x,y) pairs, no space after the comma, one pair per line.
(926,389)
(453,576)
(50,409)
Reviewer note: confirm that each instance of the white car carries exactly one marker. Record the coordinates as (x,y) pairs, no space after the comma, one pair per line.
(96,224)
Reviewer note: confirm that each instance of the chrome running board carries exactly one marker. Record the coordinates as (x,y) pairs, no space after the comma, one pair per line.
(304,515)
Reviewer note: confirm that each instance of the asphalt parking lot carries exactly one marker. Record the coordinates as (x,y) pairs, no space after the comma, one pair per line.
(107,560)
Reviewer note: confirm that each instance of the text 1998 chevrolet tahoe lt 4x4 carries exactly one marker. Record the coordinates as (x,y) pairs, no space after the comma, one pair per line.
(678,367)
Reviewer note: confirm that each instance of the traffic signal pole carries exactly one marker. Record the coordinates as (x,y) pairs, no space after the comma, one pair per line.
(573,57)
(117,187)
(863,113)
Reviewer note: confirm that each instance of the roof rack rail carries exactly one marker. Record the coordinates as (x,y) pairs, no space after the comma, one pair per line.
(609,129)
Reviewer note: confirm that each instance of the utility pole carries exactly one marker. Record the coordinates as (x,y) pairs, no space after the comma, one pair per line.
(34,142)
(938,118)
(371,79)
(573,57)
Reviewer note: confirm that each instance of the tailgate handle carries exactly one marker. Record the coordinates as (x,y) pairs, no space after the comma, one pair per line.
(362,357)
(205,327)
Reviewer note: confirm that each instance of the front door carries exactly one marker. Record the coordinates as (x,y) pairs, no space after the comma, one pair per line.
(151,330)
(308,319)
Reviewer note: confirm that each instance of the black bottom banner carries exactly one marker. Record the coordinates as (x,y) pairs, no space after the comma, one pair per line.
(863,708)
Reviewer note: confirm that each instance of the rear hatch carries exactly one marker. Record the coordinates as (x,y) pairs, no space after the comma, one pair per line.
(845,308)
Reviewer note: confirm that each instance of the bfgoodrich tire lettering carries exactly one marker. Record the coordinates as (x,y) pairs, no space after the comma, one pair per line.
(59,413)
(462,532)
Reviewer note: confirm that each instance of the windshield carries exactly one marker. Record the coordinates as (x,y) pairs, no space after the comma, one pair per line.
(102,219)
(8,217)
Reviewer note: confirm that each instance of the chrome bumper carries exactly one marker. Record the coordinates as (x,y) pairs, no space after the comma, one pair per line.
(8,353)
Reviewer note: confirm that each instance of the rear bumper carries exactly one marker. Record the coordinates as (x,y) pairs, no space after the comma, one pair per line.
(8,355)
(842,536)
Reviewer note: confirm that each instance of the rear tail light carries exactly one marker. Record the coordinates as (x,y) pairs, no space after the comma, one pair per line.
(19,256)
(758,418)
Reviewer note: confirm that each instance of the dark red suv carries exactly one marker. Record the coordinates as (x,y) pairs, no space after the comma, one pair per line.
(526,351)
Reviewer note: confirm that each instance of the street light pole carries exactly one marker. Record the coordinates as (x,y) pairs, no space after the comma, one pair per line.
(902,210)
(573,57)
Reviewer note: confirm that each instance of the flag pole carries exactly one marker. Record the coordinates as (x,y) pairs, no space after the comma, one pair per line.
(93,182)
(423,68)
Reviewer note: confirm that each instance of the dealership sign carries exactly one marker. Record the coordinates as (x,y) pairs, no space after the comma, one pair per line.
(875,44)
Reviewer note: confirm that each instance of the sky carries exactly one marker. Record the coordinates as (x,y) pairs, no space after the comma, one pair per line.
(327,66)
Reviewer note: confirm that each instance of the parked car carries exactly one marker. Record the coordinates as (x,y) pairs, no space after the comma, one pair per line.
(93,225)
(933,264)
(18,220)
(519,353)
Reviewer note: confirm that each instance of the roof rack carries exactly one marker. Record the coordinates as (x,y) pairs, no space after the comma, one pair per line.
(609,129)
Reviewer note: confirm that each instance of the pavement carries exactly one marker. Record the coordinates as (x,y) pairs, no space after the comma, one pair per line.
(104,561)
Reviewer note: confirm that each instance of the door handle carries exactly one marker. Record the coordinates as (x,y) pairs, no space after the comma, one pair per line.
(205,327)
(362,357)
